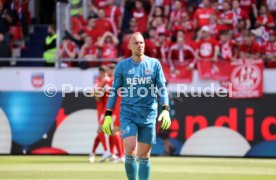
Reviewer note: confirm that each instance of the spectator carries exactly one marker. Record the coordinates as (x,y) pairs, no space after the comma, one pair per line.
(162,45)
(7,17)
(249,48)
(180,53)
(165,4)
(152,34)
(90,29)
(155,17)
(67,50)
(78,39)
(185,25)
(149,43)
(207,47)
(124,47)
(216,5)
(108,44)
(226,17)
(24,16)
(133,25)
(75,7)
(226,46)
(265,19)
(103,25)
(5,51)
(239,31)
(214,26)
(176,13)
(49,46)
(77,23)
(159,24)
(272,8)
(114,14)
(88,51)
(202,15)
(141,16)
(250,8)
(270,51)
(240,14)
(99,4)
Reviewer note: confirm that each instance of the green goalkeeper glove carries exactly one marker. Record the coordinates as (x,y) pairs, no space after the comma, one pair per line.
(165,118)
(107,123)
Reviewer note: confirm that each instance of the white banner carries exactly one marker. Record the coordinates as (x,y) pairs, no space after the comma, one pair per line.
(36,79)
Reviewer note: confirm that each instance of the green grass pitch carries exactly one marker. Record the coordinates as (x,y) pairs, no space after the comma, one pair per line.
(167,168)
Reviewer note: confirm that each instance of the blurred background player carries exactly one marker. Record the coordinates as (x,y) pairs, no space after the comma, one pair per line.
(101,101)
(115,140)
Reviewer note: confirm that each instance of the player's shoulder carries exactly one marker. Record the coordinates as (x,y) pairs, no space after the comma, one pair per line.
(152,60)
(123,62)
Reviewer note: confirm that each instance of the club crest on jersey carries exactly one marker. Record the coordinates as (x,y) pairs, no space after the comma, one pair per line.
(147,72)
(126,131)
(131,71)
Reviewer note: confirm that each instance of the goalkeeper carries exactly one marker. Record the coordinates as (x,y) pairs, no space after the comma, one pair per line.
(139,78)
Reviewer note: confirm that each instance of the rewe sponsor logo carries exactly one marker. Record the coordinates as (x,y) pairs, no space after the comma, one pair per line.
(138,80)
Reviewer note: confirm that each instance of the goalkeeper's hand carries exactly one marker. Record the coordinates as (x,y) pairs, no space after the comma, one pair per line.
(165,118)
(107,124)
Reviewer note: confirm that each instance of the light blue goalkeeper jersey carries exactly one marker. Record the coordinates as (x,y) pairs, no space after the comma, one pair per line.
(139,84)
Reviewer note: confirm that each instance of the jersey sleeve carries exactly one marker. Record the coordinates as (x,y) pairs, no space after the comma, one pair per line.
(161,85)
(118,81)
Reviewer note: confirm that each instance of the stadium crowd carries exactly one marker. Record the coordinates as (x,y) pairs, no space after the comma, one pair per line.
(176,31)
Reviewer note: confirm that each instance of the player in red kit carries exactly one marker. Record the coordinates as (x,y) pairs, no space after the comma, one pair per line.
(101,101)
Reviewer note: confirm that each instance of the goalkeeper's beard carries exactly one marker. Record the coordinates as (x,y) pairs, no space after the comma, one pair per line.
(139,54)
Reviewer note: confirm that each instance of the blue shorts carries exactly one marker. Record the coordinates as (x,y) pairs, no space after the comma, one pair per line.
(144,127)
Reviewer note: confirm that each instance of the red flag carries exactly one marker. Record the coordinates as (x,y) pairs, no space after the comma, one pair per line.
(181,74)
(219,70)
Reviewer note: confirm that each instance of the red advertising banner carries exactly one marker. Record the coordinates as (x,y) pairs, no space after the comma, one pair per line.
(181,74)
(219,71)
(247,78)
